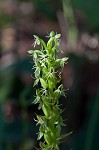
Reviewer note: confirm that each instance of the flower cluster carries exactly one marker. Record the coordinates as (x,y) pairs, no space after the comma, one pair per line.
(46,63)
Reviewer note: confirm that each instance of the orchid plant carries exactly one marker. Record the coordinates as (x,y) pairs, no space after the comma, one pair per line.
(46,64)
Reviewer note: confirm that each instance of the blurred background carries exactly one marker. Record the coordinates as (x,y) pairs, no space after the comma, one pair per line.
(78,23)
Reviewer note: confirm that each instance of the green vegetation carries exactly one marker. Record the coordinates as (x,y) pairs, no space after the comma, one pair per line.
(47,96)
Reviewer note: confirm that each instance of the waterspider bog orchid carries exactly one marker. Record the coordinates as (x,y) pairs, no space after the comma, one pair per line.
(46,62)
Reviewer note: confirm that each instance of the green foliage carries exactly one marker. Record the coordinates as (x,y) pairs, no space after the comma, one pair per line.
(90,10)
(46,62)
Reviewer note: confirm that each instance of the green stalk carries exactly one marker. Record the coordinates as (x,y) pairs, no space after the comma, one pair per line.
(72,32)
(46,62)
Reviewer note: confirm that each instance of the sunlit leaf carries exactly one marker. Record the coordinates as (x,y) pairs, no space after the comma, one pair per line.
(43,83)
(39,52)
(37,72)
(57,36)
(31,51)
(35,56)
(36,82)
(37,100)
(40,135)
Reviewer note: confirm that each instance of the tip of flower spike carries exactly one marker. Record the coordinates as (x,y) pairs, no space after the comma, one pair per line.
(52,34)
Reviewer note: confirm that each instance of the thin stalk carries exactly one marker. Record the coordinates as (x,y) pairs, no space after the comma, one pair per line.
(72,32)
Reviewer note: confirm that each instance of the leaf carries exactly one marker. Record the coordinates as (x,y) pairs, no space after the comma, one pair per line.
(39,52)
(37,100)
(41,119)
(49,43)
(36,82)
(63,61)
(47,138)
(37,72)
(60,87)
(64,135)
(42,128)
(40,135)
(60,121)
(43,44)
(57,36)
(63,124)
(38,92)
(40,106)
(46,110)
(57,93)
(45,70)
(58,130)
(43,83)
(35,56)
(57,147)
(57,63)
(31,51)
